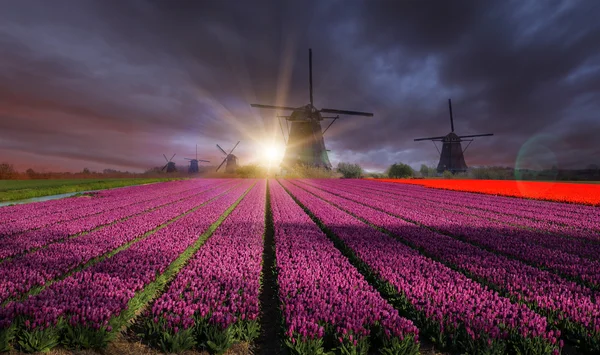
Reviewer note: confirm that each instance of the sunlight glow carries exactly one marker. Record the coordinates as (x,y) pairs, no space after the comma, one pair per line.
(272,153)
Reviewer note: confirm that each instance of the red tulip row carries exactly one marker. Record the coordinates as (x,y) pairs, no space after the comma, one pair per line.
(462,309)
(571,305)
(94,301)
(325,301)
(101,205)
(20,275)
(483,232)
(217,292)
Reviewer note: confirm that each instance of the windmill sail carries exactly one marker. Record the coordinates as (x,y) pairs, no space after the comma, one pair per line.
(452,156)
(305,144)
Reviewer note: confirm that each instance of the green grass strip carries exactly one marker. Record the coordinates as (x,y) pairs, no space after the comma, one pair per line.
(11,190)
(272,323)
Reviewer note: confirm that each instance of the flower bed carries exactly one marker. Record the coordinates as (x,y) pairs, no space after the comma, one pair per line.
(85,309)
(326,303)
(588,194)
(455,309)
(213,302)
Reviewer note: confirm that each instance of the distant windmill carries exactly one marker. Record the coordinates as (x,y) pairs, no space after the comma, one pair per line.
(452,156)
(170,165)
(232,160)
(305,143)
(193,168)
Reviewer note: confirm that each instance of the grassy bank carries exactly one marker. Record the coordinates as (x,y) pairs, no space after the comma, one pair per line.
(11,190)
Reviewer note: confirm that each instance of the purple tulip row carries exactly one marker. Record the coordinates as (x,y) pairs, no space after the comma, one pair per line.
(570,216)
(574,226)
(504,223)
(319,289)
(100,206)
(20,275)
(483,232)
(442,294)
(220,284)
(18,244)
(564,300)
(93,297)
(38,209)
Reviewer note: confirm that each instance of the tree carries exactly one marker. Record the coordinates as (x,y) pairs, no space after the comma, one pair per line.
(86,170)
(447,174)
(7,171)
(400,171)
(31,173)
(350,171)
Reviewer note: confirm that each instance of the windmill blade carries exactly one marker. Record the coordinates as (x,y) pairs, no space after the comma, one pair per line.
(172,157)
(206,161)
(344,112)
(164,167)
(332,122)
(234,147)
(221,164)
(165,157)
(281,126)
(274,107)
(429,138)
(451,118)
(310,75)
(477,135)
(221,149)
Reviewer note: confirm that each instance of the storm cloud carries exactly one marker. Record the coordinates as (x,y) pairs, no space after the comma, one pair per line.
(115,84)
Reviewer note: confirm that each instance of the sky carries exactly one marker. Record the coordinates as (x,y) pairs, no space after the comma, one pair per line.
(118,83)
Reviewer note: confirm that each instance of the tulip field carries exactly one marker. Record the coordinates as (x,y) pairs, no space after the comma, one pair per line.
(301,266)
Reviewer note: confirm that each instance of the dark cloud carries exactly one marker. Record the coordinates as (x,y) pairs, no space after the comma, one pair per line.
(118,83)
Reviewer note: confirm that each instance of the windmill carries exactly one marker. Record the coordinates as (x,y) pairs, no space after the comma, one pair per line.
(305,143)
(170,165)
(452,156)
(232,160)
(193,168)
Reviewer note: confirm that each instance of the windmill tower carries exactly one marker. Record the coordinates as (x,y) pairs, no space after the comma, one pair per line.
(232,160)
(452,156)
(170,166)
(193,168)
(305,143)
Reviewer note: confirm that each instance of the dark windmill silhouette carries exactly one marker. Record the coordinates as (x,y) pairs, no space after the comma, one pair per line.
(452,156)
(193,168)
(305,143)
(232,160)
(170,166)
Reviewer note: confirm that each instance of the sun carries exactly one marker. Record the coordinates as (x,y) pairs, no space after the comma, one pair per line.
(273,153)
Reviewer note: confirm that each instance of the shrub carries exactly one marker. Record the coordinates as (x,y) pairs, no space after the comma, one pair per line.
(427,171)
(376,175)
(400,171)
(7,171)
(251,171)
(350,171)
(309,172)
(447,174)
